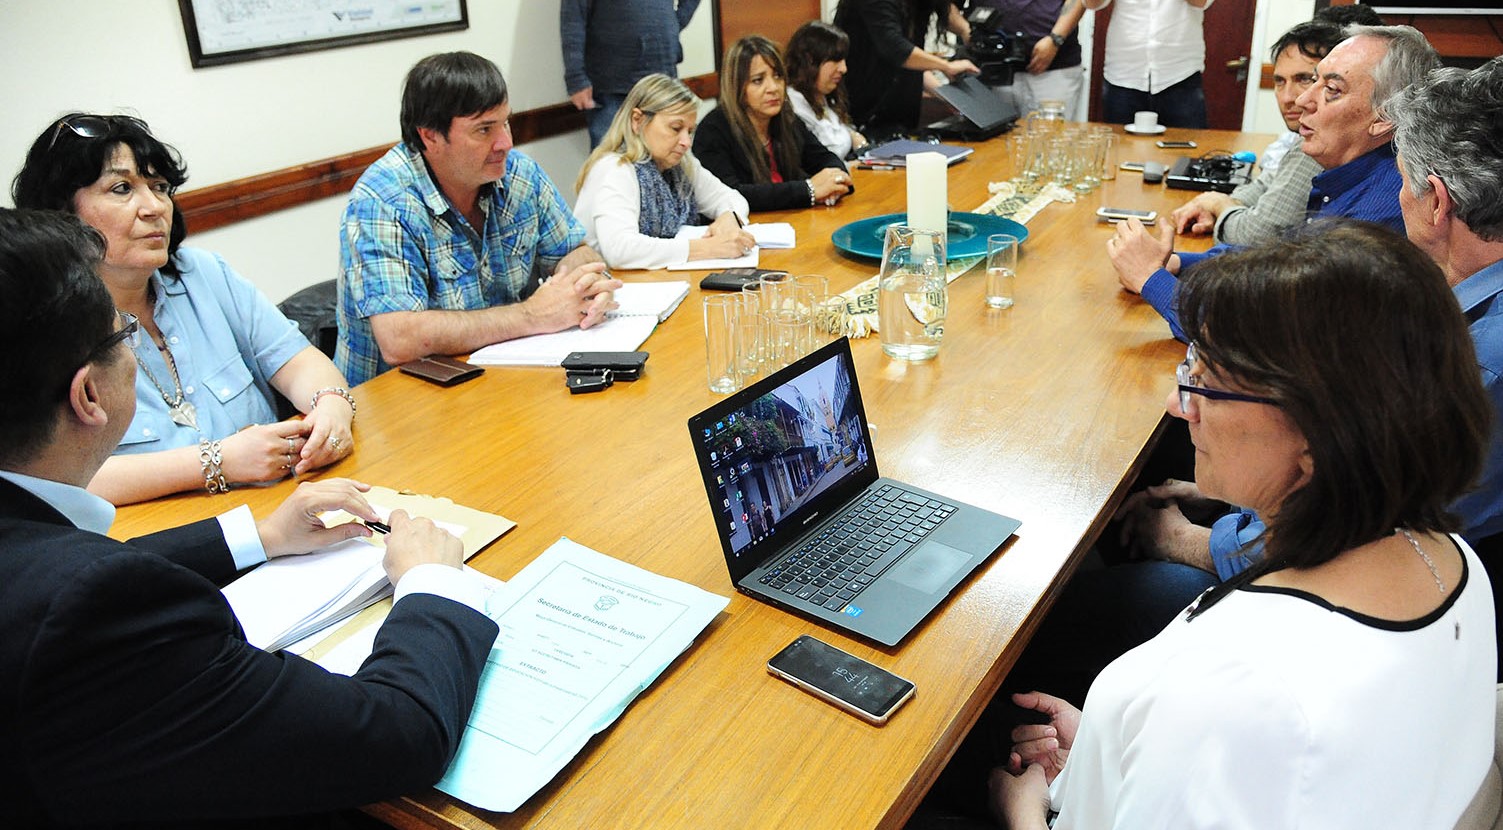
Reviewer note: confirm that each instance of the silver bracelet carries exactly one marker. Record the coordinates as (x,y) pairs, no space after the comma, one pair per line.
(211,458)
(810,183)
(335,390)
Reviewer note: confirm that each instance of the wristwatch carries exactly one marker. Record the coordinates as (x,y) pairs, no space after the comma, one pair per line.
(1059,40)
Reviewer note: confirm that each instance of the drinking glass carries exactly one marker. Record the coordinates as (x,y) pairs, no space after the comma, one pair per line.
(1001,269)
(722,351)
(911,297)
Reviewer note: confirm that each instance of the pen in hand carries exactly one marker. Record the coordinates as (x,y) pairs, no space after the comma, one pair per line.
(379,527)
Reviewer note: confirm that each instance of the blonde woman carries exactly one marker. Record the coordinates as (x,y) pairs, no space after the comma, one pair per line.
(641,185)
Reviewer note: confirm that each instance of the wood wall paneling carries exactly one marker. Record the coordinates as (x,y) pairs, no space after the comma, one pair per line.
(218,205)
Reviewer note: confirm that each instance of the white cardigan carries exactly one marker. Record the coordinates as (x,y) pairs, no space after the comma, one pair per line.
(610,205)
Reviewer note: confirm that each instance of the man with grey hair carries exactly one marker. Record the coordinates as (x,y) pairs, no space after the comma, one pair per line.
(1347,130)
(1449,137)
(1344,129)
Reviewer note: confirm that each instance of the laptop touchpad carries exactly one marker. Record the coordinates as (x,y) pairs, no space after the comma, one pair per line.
(930,568)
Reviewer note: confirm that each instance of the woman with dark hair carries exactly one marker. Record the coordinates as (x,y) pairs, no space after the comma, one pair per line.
(205,415)
(816,67)
(755,144)
(1330,383)
(887,59)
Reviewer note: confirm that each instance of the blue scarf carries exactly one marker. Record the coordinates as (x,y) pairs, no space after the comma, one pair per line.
(667,200)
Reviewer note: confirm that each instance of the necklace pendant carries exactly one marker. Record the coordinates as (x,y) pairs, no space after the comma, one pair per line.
(185,415)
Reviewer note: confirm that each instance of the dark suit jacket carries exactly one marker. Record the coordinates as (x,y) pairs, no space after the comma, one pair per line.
(128,692)
(715,148)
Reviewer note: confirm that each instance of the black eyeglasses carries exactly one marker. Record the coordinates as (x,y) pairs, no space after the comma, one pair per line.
(1190,386)
(128,333)
(92,126)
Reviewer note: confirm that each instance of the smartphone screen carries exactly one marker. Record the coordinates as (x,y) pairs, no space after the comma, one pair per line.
(1111,214)
(853,684)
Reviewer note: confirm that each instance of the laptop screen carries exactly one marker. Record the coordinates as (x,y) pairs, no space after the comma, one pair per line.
(780,454)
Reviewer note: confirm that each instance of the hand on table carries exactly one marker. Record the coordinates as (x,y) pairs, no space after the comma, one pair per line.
(579,297)
(418,541)
(295,527)
(331,436)
(264,452)
(723,239)
(830,185)
(1198,216)
(1136,253)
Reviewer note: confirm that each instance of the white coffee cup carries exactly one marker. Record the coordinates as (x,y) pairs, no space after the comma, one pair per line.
(1145,121)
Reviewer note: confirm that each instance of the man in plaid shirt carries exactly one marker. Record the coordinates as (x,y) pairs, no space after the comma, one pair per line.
(449,240)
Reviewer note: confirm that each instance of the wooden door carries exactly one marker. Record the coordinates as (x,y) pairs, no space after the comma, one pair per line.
(1229,59)
(776,20)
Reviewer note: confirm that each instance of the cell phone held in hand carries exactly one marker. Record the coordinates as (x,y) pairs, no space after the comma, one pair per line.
(845,680)
(1111,214)
(734,279)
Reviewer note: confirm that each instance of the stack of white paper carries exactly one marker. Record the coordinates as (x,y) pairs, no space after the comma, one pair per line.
(773,234)
(291,597)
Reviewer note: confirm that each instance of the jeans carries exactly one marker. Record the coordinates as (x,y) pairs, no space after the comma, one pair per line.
(1181,105)
(601,116)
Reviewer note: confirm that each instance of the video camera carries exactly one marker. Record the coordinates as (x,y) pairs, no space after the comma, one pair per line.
(998,53)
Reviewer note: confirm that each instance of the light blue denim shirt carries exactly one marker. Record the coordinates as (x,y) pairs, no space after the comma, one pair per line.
(227,340)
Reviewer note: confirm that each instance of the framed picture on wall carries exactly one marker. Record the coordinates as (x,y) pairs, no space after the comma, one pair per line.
(228,31)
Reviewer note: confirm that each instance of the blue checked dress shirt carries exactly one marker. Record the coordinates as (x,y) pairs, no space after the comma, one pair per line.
(404,247)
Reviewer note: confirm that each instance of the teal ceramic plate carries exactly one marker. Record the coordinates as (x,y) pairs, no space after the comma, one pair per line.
(968,233)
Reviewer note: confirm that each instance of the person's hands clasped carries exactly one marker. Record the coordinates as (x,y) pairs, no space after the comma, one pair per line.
(418,541)
(331,435)
(580,297)
(1154,525)
(264,452)
(1020,801)
(1136,253)
(295,527)
(1044,744)
(830,185)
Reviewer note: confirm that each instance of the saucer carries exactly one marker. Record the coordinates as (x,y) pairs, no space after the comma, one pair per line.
(1156,130)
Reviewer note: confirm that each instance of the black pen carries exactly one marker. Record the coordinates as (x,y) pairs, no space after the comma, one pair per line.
(379,527)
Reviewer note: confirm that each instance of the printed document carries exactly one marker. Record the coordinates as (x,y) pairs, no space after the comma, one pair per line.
(582,634)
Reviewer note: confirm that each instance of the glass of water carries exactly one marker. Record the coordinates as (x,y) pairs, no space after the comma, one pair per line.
(1001,269)
(911,295)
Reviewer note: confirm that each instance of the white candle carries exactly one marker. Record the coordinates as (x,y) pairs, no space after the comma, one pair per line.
(928,192)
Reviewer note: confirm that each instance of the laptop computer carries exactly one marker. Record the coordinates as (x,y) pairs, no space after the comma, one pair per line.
(982,111)
(808,524)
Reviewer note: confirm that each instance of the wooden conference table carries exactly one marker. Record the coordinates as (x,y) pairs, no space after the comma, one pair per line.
(1043,412)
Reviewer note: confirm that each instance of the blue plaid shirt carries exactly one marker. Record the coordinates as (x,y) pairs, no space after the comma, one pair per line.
(404,247)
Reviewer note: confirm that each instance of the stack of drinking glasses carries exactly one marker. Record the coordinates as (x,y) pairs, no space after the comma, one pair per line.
(768,325)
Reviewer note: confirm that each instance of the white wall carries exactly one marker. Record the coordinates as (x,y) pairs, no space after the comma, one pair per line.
(1273,19)
(247,118)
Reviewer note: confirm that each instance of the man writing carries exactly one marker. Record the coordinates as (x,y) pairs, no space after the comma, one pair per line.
(1344,128)
(448,239)
(131,693)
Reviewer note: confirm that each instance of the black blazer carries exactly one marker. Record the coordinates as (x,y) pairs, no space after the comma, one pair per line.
(128,692)
(715,148)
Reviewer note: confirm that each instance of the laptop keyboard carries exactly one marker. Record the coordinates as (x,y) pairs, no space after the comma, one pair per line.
(849,554)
